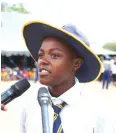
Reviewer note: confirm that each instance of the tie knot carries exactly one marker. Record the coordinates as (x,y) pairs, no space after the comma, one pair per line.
(58,107)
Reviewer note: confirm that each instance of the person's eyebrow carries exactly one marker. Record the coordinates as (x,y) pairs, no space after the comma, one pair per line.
(56,49)
(52,49)
(41,50)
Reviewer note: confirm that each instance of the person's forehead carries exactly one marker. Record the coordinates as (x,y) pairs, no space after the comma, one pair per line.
(55,42)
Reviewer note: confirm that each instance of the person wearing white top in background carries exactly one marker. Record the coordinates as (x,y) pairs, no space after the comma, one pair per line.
(107,73)
(113,68)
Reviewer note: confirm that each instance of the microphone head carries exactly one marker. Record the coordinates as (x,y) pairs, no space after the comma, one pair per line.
(43,92)
(43,96)
(20,87)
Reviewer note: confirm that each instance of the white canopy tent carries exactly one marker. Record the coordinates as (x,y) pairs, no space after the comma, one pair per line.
(102,51)
(12,42)
(106,52)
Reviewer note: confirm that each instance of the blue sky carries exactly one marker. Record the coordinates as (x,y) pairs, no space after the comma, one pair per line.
(96,18)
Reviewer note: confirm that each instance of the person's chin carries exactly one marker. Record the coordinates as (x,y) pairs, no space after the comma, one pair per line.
(46,82)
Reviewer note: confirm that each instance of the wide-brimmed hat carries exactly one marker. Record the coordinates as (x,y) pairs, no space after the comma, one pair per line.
(34,32)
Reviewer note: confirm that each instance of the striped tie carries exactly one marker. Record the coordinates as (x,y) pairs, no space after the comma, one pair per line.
(57,126)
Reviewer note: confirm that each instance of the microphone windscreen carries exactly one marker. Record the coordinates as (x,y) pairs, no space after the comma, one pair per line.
(21,86)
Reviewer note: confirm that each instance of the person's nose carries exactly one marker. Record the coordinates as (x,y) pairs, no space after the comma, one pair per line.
(43,61)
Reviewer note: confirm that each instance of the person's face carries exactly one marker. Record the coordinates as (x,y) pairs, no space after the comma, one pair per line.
(56,62)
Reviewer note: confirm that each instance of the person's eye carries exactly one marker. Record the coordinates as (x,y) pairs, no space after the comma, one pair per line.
(40,55)
(54,55)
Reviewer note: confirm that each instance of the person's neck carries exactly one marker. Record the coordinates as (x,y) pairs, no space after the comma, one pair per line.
(58,90)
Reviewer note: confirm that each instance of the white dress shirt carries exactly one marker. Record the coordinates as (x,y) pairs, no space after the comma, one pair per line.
(81,115)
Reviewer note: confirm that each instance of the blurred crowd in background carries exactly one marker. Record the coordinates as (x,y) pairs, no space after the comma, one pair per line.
(16,67)
(8,74)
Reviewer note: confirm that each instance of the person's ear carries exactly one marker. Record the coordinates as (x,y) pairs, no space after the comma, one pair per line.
(77,63)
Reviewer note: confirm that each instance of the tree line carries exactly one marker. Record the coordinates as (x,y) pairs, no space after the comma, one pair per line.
(5,7)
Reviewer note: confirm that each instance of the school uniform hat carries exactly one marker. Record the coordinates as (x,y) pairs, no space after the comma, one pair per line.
(34,32)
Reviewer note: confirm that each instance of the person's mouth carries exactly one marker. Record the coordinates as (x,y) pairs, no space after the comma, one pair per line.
(43,72)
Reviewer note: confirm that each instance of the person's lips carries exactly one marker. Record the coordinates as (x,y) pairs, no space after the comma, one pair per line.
(44,72)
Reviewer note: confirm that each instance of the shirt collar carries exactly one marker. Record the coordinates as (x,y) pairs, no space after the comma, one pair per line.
(71,96)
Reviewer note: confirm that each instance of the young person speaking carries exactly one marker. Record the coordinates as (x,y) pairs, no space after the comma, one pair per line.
(64,61)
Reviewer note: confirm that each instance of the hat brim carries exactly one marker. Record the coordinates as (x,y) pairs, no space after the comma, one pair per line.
(34,33)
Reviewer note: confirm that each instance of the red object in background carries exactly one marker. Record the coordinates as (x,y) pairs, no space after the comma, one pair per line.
(25,74)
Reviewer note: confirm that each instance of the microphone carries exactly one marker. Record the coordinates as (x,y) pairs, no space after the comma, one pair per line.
(15,91)
(44,100)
